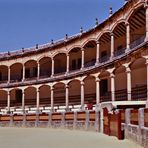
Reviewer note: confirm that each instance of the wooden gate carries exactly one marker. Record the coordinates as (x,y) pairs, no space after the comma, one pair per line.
(112,124)
(106,122)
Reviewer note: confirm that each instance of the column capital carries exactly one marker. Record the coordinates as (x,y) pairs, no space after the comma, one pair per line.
(8,92)
(146,5)
(111,34)
(67,54)
(112,75)
(97,79)
(127,24)
(82,83)
(66,86)
(98,42)
(82,49)
(52,88)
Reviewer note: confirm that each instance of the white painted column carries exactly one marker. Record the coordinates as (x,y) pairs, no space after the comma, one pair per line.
(146,6)
(82,52)
(112,76)
(23,100)
(98,53)
(8,101)
(112,45)
(82,95)
(38,74)
(23,76)
(38,100)
(67,71)
(52,71)
(97,91)
(52,98)
(9,77)
(129,83)
(67,96)
(127,36)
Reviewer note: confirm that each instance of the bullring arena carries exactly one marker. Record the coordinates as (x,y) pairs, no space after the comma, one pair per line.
(96,80)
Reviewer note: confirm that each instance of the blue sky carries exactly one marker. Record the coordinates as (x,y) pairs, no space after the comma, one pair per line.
(24,23)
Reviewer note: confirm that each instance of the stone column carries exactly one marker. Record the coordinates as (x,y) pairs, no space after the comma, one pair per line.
(23,101)
(8,101)
(82,52)
(97,91)
(38,74)
(67,96)
(112,46)
(52,98)
(38,100)
(98,53)
(52,71)
(82,95)
(23,75)
(127,36)
(146,6)
(112,76)
(9,76)
(67,71)
(129,83)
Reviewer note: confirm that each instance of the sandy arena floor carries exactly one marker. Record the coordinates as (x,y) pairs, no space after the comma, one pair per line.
(58,138)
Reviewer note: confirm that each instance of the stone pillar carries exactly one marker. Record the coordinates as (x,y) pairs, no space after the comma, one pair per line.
(9,76)
(127,36)
(38,100)
(23,101)
(147,77)
(112,46)
(38,74)
(97,91)
(146,6)
(101,121)
(23,75)
(98,53)
(52,98)
(8,101)
(67,96)
(129,83)
(112,76)
(67,71)
(52,71)
(82,95)
(82,52)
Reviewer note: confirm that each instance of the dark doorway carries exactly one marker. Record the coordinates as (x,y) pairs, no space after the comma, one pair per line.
(18,96)
(103,87)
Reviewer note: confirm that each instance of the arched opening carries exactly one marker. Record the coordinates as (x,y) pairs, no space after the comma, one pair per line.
(119,39)
(75,92)
(139,77)
(31,69)
(45,67)
(90,54)
(105,47)
(75,59)
(59,94)
(90,90)
(105,87)
(3,98)
(15,97)
(137,22)
(45,94)
(30,96)
(3,74)
(121,84)
(16,72)
(60,63)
